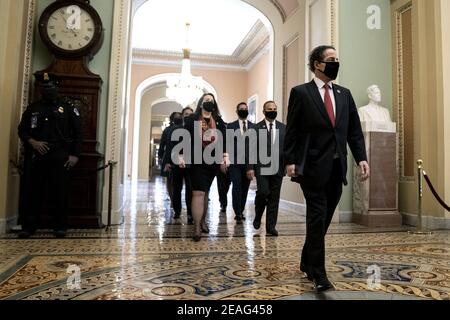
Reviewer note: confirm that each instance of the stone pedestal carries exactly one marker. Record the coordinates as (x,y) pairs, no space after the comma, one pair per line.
(375,201)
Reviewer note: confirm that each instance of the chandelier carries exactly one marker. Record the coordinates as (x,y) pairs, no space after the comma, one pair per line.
(184,88)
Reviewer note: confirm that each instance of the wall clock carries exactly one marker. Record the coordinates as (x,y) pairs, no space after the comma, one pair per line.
(71,28)
(72,31)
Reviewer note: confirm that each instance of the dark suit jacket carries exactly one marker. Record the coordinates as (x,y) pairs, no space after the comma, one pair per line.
(311,142)
(167,159)
(281,132)
(165,139)
(235,126)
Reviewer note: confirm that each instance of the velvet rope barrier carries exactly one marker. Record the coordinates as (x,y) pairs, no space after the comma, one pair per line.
(433,190)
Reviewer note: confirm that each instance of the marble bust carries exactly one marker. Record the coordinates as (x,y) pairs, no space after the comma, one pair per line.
(374,112)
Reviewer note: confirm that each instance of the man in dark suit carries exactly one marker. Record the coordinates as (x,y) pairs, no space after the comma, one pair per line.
(163,158)
(322,119)
(269,186)
(238,168)
(176,174)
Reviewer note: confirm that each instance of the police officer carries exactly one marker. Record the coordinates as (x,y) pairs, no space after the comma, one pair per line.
(50,130)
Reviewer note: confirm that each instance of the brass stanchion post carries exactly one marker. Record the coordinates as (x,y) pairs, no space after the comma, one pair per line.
(111,175)
(420,230)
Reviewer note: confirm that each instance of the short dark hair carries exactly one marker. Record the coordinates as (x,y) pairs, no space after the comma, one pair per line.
(267,102)
(240,104)
(173,115)
(187,108)
(317,55)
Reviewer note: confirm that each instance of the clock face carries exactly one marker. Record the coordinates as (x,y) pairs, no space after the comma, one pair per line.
(71,28)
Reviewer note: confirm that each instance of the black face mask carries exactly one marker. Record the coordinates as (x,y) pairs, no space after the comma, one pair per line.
(178,121)
(271,115)
(331,69)
(243,114)
(209,106)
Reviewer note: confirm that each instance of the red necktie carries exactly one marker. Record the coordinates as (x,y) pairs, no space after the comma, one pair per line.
(329,105)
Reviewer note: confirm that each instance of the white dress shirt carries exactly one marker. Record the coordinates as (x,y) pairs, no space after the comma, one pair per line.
(274,128)
(320,85)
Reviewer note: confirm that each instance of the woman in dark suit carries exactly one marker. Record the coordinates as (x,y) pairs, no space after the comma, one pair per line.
(204,126)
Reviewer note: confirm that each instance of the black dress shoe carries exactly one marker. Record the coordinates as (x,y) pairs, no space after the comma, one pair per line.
(205,229)
(197,238)
(238,219)
(177,216)
(190,221)
(256,224)
(272,232)
(322,284)
(60,233)
(25,234)
(306,272)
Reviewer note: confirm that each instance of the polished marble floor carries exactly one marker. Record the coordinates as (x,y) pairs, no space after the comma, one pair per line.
(152,256)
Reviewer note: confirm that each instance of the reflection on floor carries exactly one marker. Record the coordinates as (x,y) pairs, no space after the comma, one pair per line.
(151,256)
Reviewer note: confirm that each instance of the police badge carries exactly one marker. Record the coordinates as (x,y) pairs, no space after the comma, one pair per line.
(34,122)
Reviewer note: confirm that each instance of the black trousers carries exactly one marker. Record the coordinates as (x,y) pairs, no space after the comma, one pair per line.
(321,202)
(241,184)
(48,176)
(268,198)
(223,186)
(177,176)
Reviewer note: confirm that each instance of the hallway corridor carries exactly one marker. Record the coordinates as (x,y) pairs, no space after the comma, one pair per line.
(150,256)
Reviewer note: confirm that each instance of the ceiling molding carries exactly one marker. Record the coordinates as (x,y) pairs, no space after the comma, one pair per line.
(260,49)
(249,38)
(196,65)
(255,41)
(280,9)
(262,52)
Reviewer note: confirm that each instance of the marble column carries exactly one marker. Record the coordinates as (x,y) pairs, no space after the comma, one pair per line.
(375,201)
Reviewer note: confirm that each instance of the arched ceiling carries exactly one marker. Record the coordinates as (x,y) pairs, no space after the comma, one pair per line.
(217,27)
(159,31)
(284,7)
(165,108)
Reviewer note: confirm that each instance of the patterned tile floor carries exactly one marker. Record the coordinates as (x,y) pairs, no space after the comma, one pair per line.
(151,256)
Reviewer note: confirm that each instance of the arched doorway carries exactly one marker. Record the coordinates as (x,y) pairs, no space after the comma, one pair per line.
(287,29)
(250,43)
(149,93)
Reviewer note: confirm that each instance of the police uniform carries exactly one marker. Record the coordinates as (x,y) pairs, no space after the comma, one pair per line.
(57,123)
